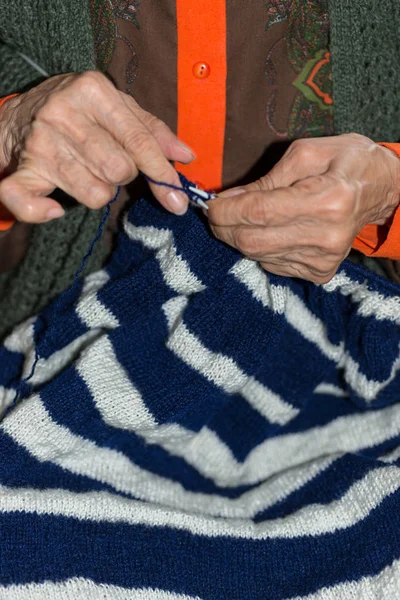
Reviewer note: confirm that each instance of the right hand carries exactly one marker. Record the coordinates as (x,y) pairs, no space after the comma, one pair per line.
(77,132)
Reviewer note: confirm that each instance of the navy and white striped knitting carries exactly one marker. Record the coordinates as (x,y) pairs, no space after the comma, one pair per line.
(198,428)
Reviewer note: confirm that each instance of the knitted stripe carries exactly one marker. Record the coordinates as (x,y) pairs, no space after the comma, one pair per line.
(53,256)
(58,37)
(198,428)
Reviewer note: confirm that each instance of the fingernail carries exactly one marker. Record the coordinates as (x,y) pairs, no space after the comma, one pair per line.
(55,213)
(186,149)
(232,192)
(177,203)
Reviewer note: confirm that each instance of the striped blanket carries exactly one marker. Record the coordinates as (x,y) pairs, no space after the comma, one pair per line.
(197,428)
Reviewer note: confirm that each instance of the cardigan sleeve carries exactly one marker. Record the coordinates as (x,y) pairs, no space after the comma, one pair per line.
(6,218)
(381,241)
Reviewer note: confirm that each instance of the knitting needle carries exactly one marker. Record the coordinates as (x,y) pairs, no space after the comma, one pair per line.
(201,194)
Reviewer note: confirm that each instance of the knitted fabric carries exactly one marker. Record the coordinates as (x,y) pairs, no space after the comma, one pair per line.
(199,429)
(58,36)
(365,49)
(53,256)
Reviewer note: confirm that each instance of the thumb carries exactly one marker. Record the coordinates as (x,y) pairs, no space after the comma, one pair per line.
(303,159)
(255,186)
(272,180)
(24,194)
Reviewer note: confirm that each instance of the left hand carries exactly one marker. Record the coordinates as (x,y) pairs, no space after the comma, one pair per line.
(300,220)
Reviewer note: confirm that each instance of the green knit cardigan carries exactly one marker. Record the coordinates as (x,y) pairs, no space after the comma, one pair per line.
(365,47)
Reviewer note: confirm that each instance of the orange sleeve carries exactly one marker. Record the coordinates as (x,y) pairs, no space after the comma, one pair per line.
(380,241)
(6,218)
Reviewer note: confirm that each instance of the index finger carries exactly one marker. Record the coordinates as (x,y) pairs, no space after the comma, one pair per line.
(114,115)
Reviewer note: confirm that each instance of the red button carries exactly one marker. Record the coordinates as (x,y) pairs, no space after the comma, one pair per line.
(201,70)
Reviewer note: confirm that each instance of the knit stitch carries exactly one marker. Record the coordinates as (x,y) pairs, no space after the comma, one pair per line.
(197,428)
(365,50)
(58,36)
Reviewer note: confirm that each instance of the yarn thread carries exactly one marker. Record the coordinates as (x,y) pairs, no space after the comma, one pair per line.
(187,188)
(24,382)
(222,412)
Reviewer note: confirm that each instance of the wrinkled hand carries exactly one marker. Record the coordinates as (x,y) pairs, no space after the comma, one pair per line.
(301,218)
(77,132)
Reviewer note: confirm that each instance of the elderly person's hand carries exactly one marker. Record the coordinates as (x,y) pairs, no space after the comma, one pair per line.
(302,217)
(79,133)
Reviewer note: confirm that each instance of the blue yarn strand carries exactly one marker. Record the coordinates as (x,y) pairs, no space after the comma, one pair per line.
(98,236)
(89,253)
(185,189)
(169,185)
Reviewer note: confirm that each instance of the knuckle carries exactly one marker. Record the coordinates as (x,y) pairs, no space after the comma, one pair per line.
(346,190)
(302,150)
(154,123)
(54,109)
(57,115)
(139,142)
(356,137)
(245,241)
(335,241)
(65,170)
(117,170)
(98,196)
(38,143)
(90,82)
(34,139)
(258,210)
(341,202)
(265,183)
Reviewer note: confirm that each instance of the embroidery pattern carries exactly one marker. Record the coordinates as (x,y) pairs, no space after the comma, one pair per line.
(306,42)
(104,31)
(278,11)
(105,20)
(127,10)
